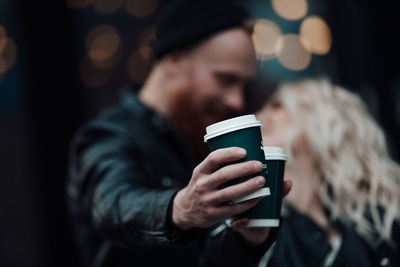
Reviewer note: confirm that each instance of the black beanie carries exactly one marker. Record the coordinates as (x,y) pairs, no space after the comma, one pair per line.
(185,22)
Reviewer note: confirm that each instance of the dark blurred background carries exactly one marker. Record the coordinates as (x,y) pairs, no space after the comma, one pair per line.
(62,62)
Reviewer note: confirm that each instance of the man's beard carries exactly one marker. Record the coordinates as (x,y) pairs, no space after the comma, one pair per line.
(192,120)
(190,125)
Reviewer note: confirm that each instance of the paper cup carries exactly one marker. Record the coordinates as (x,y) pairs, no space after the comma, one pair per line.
(267,212)
(244,132)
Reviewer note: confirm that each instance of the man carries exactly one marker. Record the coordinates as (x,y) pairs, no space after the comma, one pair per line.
(137,196)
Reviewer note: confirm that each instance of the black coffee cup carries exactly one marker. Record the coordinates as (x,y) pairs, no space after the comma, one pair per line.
(267,212)
(244,132)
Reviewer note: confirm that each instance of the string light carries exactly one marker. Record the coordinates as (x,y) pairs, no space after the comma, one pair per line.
(107,6)
(291,53)
(3,44)
(316,35)
(265,35)
(103,43)
(145,52)
(139,8)
(3,65)
(290,9)
(3,38)
(147,36)
(8,51)
(9,55)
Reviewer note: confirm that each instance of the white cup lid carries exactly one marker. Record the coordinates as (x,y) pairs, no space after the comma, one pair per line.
(231,125)
(274,152)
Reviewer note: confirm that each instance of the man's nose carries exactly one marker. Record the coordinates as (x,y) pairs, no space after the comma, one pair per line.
(235,100)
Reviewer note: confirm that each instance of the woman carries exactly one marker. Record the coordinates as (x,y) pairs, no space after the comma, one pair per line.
(344,206)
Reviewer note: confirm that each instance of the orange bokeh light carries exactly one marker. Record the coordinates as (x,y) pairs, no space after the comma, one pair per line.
(103,46)
(265,35)
(141,9)
(291,54)
(107,6)
(290,9)
(8,56)
(316,35)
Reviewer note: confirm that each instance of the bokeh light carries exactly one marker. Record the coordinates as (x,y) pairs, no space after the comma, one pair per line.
(138,66)
(290,9)
(79,3)
(140,8)
(145,52)
(91,76)
(107,6)
(109,62)
(3,65)
(3,38)
(291,54)
(147,36)
(265,35)
(8,56)
(3,44)
(103,44)
(316,35)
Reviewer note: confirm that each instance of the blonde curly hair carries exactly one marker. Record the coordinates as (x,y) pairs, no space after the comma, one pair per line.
(357,180)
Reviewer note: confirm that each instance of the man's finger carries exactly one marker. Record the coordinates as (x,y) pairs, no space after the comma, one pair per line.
(218,157)
(287,186)
(235,191)
(232,172)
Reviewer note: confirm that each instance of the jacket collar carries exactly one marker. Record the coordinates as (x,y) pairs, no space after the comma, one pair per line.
(158,121)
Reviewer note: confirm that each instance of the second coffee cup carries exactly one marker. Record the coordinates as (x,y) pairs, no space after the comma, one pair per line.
(267,212)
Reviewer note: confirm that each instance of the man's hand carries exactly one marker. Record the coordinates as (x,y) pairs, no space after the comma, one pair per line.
(204,202)
(257,235)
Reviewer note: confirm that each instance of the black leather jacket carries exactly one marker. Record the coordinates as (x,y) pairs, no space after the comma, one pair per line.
(125,168)
(302,243)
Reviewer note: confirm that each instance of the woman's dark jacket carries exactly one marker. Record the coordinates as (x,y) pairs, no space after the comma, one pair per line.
(302,243)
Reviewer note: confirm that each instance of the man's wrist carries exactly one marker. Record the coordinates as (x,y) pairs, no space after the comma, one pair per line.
(175,234)
(177,214)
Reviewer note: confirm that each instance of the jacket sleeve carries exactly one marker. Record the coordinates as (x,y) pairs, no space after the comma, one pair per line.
(106,163)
